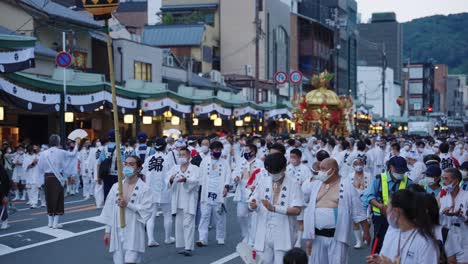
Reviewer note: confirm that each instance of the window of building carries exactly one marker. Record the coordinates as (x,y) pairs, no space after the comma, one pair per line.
(142,71)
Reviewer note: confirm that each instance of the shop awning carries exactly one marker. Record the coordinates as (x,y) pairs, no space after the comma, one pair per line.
(16,41)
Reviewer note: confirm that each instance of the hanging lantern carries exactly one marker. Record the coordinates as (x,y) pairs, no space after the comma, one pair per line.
(167,114)
(101,9)
(247,119)
(213,117)
(400,100)
(2,113)
(195,121)
(175,120)
(239,123)
(218,122)
(69,117)
(147,120)
(128,119)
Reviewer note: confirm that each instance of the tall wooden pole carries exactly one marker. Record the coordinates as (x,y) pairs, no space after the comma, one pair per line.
(116,122)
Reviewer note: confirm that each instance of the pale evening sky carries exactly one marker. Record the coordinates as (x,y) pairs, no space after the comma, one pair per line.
(407,10)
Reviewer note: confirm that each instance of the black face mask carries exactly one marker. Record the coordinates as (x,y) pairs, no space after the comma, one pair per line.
(216,155)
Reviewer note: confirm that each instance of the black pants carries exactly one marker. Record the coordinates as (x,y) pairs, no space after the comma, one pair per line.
(380,229)
(108,181)
(54,195)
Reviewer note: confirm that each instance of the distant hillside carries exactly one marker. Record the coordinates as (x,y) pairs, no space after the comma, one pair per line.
(442,38)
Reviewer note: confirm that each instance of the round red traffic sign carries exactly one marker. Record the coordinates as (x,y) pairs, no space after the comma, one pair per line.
(295,77)
(281,77)
(63,59)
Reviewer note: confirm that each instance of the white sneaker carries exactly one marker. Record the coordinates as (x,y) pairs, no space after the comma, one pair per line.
(4,226)
(171,240)
(43,205)
(220,242)
(23,198)
(86,198)
(57,226)
(153,244)
(159,213)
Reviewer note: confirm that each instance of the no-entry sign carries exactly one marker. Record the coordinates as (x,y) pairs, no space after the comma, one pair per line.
(281,77)
(296,77)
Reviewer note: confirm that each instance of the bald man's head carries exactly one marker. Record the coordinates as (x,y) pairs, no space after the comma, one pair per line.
(329,165)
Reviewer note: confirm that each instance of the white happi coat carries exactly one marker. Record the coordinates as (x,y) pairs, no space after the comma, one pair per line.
(83,159)
(242,193)
(189,189)
(137,213)
(207,173)
(155,169)
(289,196)
(300,173)
(350,210)
(32,175)
(93,162)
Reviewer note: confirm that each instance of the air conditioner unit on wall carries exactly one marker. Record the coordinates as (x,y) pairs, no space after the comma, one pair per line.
(215,76)
(248,70)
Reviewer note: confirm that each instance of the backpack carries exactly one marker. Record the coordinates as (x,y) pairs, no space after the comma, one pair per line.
(442,255)
(105,166)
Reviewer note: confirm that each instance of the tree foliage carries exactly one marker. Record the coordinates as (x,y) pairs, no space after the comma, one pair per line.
(443,39)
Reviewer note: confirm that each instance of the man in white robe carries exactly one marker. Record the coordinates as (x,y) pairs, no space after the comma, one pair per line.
(184,182)
(333,207)
(278,201)
(301,173)
(155,170)
(214,180)
(128,244)
(248,169)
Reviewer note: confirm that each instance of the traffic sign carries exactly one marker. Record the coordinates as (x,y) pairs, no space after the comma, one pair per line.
(295,77)
(63,59)
(281,77)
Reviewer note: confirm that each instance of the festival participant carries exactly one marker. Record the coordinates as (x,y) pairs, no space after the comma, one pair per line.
(184,181)
(415,166)
(249,169)
(278,200)
(155,171)
(361,180)
(93,169)
(127,244)
(214,181)
(18,174)
(411,239)
(378,194)
(84,168)
(334,206)
(301,173)
(447,160)
(4,191)
(51,164)
(33,183)
(143,150)
(432,180)
(71,170)
(453,209)
(344,159)
(464,173)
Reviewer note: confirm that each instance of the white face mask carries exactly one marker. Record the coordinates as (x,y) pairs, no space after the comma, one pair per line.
(258,145)
(183,160)
(276,177)
(430,180)
(398,176)
(204,149)
(98,144)
(358,168)
(324,175)
(464,174)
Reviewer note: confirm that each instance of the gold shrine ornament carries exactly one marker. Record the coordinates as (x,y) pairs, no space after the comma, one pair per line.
(321,95)
(101,9)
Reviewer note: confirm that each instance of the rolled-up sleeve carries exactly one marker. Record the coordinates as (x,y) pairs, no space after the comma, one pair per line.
(370,193)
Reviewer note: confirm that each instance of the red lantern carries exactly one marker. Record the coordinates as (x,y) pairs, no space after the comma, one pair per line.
(400,100)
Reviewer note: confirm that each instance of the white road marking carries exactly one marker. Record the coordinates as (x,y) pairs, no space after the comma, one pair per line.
(59,235)
(70,202)
(226,259)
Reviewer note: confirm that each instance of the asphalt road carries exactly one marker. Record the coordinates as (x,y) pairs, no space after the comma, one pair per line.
(29,240)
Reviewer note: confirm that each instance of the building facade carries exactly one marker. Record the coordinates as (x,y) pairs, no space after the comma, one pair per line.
(420,85)
(341,17)
(456,89)
(382,35)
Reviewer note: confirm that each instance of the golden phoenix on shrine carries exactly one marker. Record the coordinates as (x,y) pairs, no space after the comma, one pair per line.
(322,110)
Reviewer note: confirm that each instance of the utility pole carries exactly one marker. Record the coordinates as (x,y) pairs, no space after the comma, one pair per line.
(384,68)
(258,26)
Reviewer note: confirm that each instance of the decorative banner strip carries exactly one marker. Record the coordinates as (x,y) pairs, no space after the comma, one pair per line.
(240,112)
(207,109)
(13,61)
(166,103)
(274,113)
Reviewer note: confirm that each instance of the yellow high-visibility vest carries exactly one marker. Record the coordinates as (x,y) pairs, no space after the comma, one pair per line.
(383,180)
